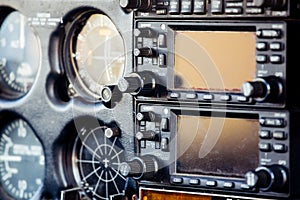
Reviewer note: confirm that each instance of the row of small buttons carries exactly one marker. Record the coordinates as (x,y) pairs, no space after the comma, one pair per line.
(209,97)
(199,7)
(267,147)
(275,59)
(264,46)
(278,135)
(209,183)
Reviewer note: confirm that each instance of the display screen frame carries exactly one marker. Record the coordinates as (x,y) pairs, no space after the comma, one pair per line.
(172,30)
(205,113)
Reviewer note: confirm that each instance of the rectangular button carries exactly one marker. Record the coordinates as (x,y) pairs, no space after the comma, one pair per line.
(264,134)
(279,135)
(208,97)
(174,7)
(217,6)
(261,46)
(261,58)
(186,6)
(199,6)
(266,147)
(177,180)
(164,124)
(268,33)
(211,183)
(275,122)
(276,46)
(276,59)
(234,11)
(162,40)
(280,148)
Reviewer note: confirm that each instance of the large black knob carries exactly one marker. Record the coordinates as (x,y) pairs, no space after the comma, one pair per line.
(142,83)
(274,4)
(141,5)
(272,178)
(140,167)
(267,89)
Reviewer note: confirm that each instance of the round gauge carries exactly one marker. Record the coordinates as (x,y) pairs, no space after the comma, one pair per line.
(95,55)
(22,162)
(19,56)
(97,164)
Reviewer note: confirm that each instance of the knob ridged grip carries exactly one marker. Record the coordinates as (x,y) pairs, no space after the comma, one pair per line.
(142,83)
(140,167)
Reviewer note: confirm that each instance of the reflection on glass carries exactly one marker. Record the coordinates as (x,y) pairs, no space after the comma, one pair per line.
(214,60)
(233,153)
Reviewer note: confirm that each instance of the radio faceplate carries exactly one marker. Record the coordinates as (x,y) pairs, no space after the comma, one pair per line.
(217,9)
(203,62)
(217,149)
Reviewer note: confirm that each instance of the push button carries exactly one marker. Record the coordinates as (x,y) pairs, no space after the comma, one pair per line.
(199,6)
(186,6)
(280,148)
(217,6)
(276,59)
(266,147)
(275,122)
(261,46)
(174,7)
(279,135)
(164,125)
(264,134)
(176,180)
(194,181)
(276,46)
(268,33)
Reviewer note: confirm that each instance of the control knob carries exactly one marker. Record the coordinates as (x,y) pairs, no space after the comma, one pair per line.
(146,116)
(144,52)
(142,83)
(272,178)
(140,167)
(148,135)
(140,5)
(145,32)
(267,89)
(275,4)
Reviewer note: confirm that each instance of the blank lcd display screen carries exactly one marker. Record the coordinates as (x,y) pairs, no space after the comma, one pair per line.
(214,60)
(216,145)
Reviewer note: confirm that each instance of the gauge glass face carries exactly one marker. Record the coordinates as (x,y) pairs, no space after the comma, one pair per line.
(99,54)
(22,161)
(19,56)
(98,162)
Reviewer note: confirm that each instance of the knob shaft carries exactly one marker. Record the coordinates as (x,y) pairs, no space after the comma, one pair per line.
(148,135)
(144,52)
(263,89)
(145,32)
(272,178)
(146,116)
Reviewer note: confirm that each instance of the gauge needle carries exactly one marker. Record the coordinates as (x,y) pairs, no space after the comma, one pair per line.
(11,158)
